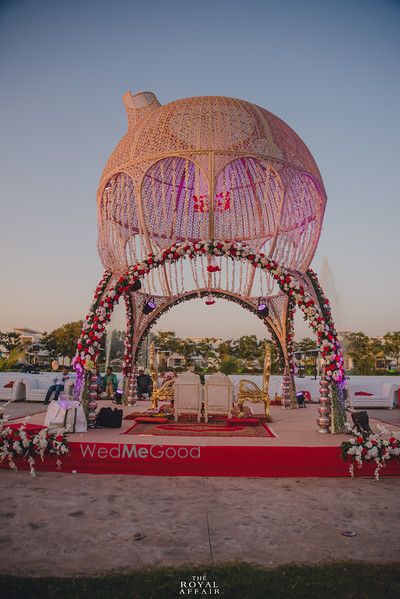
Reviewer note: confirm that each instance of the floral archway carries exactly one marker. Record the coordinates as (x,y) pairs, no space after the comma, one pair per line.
(303,290)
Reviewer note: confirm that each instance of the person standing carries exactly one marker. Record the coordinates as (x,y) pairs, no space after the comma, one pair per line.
(59,382)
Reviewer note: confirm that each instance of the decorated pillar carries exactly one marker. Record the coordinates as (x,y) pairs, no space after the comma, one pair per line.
(286,388)
(132,397)
(93,394)
(324,408)
(128,365)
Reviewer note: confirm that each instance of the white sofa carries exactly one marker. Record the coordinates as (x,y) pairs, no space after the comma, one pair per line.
(383,395)
(36,387)
(15,393)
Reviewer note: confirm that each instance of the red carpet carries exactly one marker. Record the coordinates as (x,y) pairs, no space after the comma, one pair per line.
(181,460)
(200,429)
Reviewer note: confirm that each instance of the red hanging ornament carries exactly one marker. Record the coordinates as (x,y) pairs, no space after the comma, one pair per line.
(212,266)
(210,300)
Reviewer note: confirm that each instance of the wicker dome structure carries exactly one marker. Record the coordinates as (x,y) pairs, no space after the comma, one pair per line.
(155,189)
(229,185)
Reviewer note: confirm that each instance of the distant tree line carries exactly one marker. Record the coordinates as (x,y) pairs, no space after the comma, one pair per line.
(370,355)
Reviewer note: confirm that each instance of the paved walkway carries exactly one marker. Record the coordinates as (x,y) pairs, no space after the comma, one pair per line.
(65,524)
(20,409)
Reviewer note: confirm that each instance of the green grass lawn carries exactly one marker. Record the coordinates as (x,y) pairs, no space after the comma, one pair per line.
(337,580)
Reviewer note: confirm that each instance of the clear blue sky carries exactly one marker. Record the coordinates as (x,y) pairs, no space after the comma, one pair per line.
(329,69)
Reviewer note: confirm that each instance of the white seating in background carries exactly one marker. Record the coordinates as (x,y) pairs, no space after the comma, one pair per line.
(383,395)
(36,388)
(187,395)
(15,393)
(218,396)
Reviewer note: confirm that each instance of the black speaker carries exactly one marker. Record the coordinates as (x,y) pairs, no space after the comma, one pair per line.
(361,421)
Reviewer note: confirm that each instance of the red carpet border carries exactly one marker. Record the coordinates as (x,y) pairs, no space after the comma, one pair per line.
(184,460)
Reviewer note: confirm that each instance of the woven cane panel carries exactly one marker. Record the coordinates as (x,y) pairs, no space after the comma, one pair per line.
(267,190)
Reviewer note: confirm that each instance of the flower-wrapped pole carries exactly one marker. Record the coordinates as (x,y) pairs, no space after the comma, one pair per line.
(93,395)
(286,389)
(132,386)
(324,408)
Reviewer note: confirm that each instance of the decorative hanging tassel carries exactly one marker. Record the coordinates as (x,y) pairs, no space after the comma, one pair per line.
(212,266)
(210,300)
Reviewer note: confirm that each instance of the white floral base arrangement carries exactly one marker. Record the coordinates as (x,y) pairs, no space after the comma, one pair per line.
(378,447)
(22,442)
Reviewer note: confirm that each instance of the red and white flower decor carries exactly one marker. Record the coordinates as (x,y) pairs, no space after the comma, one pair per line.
(367,448)
(128,357)
(101,310)
(29,444)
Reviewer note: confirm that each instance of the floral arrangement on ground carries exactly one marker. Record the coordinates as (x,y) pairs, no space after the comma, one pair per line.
(371,447)
(27,442)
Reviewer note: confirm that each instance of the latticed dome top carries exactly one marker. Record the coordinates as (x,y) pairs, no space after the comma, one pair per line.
(206,123)
(265,186)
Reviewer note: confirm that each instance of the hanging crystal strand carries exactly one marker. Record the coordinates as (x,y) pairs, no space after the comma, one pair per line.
(153,285)
(174,199)
(234,231)
(203,270)
(182,286)
(218,274)
(262,274)
(233,274)
(194,275)
(164,201)
(240,288)
(176,266)
(227,262)
(186,200)
(156,209)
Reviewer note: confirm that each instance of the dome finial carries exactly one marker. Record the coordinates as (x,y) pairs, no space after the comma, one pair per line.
(138,105)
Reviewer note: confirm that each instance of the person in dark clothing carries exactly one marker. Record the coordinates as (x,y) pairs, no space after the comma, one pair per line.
(144,384)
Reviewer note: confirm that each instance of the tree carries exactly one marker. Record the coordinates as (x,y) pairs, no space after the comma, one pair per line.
(305,345)
(187,349)
(249,348)
(391,346)
(62,341)
(9,363)
(166,341)
(363,350)
(117,345)
(307,362)
(229,365)
(225,349)
(11,341)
